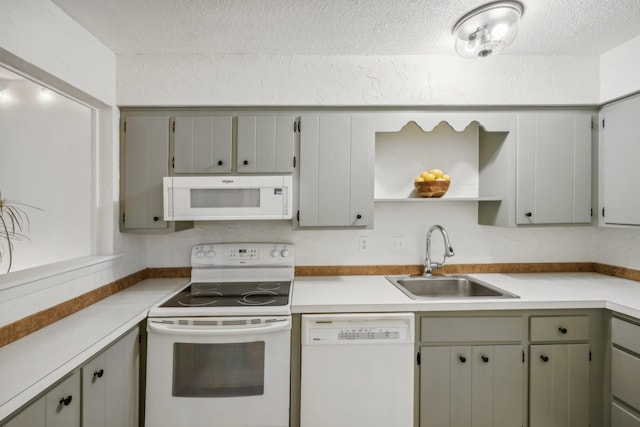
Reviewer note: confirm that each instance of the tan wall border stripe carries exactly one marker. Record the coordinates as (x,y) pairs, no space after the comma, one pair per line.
(23,327)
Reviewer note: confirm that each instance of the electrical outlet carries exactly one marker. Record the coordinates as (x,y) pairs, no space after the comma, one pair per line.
(398,244)
(363,243)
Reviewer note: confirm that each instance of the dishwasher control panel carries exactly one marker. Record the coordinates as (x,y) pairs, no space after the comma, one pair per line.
(356,329)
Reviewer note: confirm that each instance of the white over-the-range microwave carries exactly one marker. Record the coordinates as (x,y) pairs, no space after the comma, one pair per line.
(205,198)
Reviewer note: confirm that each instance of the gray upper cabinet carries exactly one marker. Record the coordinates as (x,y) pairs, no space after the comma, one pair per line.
(144,162)
(265,143)
(336,171)
(202,144)
(553,167)
(620,151)
(146,159)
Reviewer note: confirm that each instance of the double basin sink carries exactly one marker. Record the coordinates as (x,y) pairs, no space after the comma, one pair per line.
(446,287)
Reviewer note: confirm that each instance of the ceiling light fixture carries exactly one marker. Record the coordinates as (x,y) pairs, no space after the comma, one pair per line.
(488,29)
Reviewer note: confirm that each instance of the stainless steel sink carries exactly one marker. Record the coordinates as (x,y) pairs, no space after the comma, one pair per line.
(446,287)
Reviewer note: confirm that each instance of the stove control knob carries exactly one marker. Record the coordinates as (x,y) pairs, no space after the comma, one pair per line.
(211,253)
(200,253)
(275,253)
(284,253)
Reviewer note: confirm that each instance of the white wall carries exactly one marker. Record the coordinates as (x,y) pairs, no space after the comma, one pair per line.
(38,39)
(233,80)
(355,80)
(620,71)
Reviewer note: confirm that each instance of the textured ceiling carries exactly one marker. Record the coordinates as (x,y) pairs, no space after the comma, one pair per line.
(343,27)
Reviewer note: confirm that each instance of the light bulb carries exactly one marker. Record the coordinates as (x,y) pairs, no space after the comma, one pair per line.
(500,30)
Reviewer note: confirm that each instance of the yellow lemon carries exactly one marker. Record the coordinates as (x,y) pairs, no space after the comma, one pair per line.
(437,172)
(424,174)
(419,179)
(446,177)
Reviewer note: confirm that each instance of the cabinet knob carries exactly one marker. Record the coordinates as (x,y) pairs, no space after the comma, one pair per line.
(544,358)
(99,373)
(220,163)
(65,400)
(462,359)
(156,218)
(528,214)
(485,359)
(246,162)
(358,216)
(562,330)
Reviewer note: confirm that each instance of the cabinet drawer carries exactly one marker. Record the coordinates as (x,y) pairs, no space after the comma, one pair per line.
(620,417)
(471,329)
(625,335)
(625,377)
(560,328)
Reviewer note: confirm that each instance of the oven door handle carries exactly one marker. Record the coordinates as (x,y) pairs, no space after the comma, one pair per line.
(164,328)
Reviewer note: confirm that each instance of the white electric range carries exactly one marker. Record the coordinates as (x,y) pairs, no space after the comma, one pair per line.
(218,352)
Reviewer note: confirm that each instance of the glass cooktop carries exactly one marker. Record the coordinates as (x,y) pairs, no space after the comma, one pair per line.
(231,294)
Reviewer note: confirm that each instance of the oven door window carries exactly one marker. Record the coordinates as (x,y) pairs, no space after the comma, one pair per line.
(218,370)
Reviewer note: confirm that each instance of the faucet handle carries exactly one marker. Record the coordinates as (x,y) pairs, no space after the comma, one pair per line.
(450,251)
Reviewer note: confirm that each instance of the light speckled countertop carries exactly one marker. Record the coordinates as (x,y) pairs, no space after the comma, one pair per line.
(32,364)
(25,372)
(324,294)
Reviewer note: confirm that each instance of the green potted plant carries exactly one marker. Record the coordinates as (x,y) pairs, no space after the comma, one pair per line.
(13,222)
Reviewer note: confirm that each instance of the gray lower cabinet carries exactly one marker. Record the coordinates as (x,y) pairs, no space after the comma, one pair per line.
(336,171)
(478,386)
(110,385)
(472,371)
(559,385)
(559,371)
(101,393)
(59,407)
(625,373)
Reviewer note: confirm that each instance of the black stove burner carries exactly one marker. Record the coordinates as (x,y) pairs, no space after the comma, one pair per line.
(200,298)
(230,294)
(258,298)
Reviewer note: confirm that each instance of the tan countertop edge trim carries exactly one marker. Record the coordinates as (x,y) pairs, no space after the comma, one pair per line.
(23,327)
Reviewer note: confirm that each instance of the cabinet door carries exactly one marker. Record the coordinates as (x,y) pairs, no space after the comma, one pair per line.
(94,389)
(63,403)
(559,385)
(122,385)
(445,386)
(620,153)
(554,168)
(202,144)
(336,171)
(31,416)
(496,386)
(265,144)
(110,385)
(146,162)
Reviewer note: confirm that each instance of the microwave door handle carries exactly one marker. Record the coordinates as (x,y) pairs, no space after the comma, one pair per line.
(172,329)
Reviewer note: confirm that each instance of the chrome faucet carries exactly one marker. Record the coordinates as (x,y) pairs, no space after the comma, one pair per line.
(430,265)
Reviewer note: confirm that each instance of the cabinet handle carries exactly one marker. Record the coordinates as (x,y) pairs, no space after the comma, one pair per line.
(562,330)
(485,359)
(462,359)
(99,373)
(65,400)
(528,214)
(544,358)
(246,162)
(156,218)
(220,163)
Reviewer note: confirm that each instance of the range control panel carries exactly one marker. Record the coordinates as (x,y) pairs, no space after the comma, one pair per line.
(242,254)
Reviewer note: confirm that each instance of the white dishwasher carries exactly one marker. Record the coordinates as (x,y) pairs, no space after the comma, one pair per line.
(357,370)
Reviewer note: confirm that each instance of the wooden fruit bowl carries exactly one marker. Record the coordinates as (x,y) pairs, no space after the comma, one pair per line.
(431,188)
